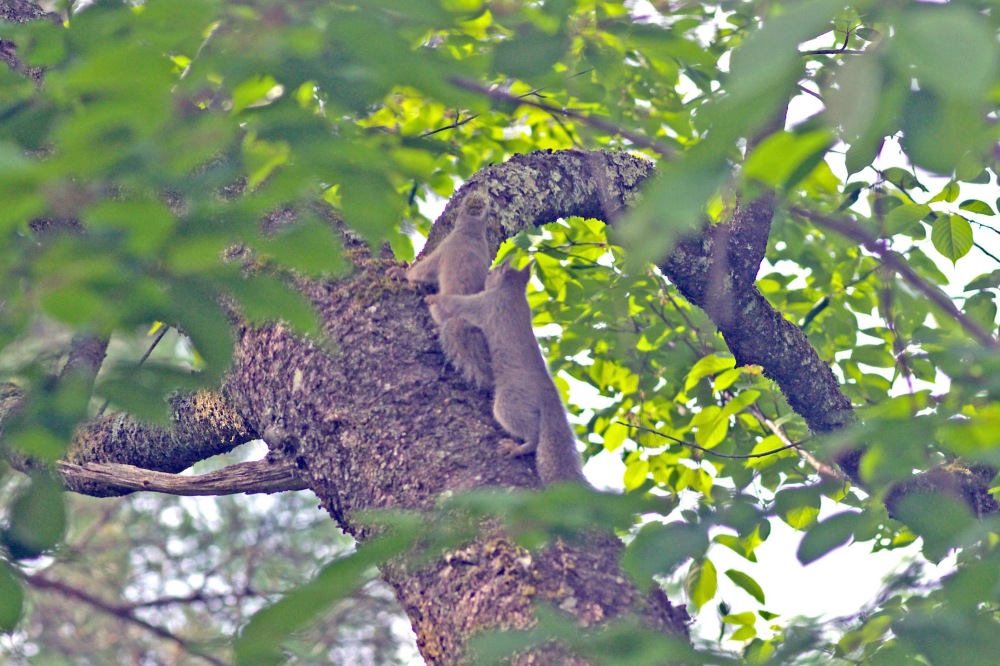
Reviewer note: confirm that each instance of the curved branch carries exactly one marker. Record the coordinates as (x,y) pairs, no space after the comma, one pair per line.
(258,476)
(850,229)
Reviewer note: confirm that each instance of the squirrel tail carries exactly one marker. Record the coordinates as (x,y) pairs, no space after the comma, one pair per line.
(556,458)
(465,347)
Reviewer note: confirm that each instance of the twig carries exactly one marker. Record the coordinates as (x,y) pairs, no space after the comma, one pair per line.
(986,252)
(597,123)
(793,445)
(454,125)
(822,468)
(833,52)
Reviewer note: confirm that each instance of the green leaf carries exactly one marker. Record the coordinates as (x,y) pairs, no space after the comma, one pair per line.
(827,535)
(701,582)
(784,158)
(709,365)
(948,193)
(867,34)
(255,90)
(726,378)
(938,518)
(989,280)
(37,519)
(952,236)
(11,598)
(740,402)
(747,584)
(713,426)
(636,472)
(976,206)
(903,218)
(798,507)
(614,435)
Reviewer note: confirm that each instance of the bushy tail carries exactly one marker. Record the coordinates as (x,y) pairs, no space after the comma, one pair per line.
(465,347)
(556,458)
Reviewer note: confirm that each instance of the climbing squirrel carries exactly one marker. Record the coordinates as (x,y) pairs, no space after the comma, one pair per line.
(526,402)
(459,266)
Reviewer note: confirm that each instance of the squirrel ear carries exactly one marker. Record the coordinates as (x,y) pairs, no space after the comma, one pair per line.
(526,271)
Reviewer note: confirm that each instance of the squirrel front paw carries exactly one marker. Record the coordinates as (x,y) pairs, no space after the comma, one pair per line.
(513,448)
(396,272)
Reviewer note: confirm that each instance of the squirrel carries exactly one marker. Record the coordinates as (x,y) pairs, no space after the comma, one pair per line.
(459,266)
(526,402)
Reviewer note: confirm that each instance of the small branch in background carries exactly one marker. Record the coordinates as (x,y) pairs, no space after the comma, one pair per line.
(123,613)
(86,354)
(823,469)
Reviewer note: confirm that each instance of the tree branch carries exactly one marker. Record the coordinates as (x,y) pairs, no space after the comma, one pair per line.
(259,476)
(849,228)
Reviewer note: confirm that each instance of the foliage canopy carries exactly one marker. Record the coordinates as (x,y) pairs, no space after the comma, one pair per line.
(171,129)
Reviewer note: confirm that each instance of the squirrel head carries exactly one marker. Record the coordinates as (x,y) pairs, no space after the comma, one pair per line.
(476,204)
(505,274)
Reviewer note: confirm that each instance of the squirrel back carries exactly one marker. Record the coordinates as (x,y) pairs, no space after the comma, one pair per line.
(526,402)
(459,265)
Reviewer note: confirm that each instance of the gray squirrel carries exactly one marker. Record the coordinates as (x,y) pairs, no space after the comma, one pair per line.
(459,266)
(526,402)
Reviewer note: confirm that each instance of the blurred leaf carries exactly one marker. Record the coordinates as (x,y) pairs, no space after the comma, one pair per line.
(798,507)
(783,159)
(941,42)
(827,535)
(746,583)
(37,520)
(658,549)
(11,599)
(937,518)
(903,218)
(701,582)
